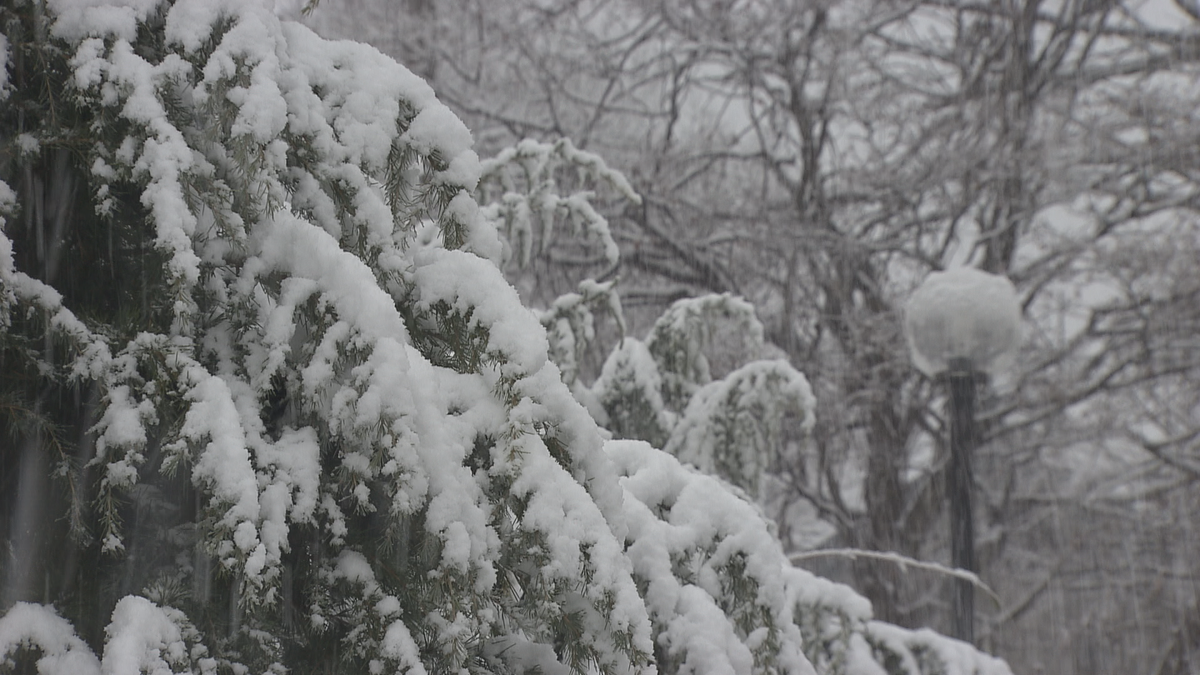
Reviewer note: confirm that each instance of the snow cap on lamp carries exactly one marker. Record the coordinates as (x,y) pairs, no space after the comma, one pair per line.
(962,319)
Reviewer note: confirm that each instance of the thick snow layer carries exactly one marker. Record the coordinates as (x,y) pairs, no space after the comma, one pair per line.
(691,539)
(954,656)
(142,637)
(81,18)
(291,245)
(30,626)
(465,281)
(399,646)
(964,315)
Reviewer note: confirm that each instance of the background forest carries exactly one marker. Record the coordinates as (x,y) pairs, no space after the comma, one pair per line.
(818,159)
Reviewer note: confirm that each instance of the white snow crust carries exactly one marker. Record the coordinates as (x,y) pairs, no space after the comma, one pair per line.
(28,625)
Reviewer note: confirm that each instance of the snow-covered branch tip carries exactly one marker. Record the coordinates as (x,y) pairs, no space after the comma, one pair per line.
(900,560)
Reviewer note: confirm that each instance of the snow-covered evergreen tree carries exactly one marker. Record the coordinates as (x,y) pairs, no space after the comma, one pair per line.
(299,441)
(270,405)
(721,594)
(663,391)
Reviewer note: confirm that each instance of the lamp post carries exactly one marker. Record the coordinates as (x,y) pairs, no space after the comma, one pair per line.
(962,325)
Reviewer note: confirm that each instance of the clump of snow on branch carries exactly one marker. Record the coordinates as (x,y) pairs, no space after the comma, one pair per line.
(570,323)
(146,638)
(522,187)
(925,651)
(29,626)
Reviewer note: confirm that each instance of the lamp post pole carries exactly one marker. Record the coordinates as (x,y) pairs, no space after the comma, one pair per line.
(962,381)
(961,325)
